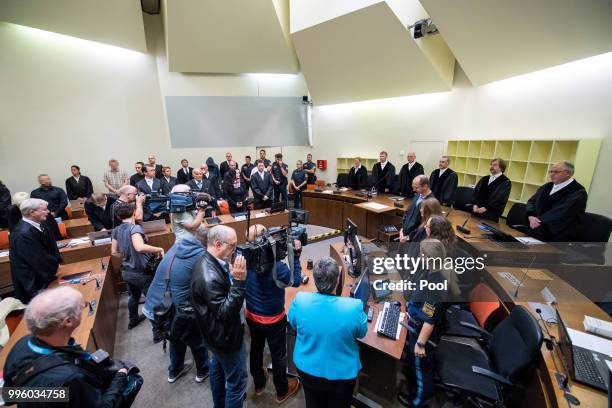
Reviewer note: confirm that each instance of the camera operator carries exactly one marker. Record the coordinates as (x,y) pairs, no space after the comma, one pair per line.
(186,222)
(128,194)
(217,295)
(49,357)
(267,320)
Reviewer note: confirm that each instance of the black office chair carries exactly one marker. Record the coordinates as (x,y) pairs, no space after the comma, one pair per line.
(517,217)
(395,186)
(592,235)
(370,181)
(484,376)
(342,180)
(464,199)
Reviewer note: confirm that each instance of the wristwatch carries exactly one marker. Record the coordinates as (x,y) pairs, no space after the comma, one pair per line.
(421,345)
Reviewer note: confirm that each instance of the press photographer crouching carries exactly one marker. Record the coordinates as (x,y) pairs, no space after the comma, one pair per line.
(168,305)
(49,357)
(267,320)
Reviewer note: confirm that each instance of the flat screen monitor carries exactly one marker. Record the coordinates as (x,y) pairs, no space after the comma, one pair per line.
(361,290)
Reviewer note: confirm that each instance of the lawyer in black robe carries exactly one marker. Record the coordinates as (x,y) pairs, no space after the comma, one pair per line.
(444,187)
(493,197)
(81,188)
(383,177)
(5,204)
(406,176)
(559,213)
(34,260)
(358,178)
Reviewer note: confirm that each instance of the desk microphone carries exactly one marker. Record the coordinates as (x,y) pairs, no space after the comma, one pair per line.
(550,341)
(98,286)
(524,277)
(461,228)
(102,266)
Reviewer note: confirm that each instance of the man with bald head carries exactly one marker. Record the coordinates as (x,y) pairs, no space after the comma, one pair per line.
(407,174)
(218,288)
(55,197)
(553,212)
(34,254)
(52,316)
(128,194)
(267,318)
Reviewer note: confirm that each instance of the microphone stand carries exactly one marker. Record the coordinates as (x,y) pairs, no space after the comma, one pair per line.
(525,275)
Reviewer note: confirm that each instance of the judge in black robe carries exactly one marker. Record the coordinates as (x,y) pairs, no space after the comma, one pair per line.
(444,186)
(407,173)
(554,217)
(490,197)
(34,256)
(5,204)
(183,175)
(78,186)
(383,173)
(358,176)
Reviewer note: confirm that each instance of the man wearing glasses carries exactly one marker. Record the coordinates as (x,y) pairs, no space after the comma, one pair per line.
(554,210)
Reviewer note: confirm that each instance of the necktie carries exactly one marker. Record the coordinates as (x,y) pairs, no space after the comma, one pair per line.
(420,199)
(199,185)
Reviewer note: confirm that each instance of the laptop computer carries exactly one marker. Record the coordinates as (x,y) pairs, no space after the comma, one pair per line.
(153,226)
(583,365)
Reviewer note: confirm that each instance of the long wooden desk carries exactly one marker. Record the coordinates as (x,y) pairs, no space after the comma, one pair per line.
(97,330)
(572,306)
(267,220)
(78,227)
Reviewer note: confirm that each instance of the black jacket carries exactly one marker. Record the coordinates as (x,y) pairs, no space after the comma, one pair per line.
(56,199)
(181,177)
(217,302)
(261,187)
(166,186)
(493,197)
(100,218)
(14,216)
(214,188)
(359,180)
(383,178)
(5,204)
(235,195)
(406,176)
(559,212)
(158,171)
(412,216)
(87,388)
(445,187)
(77,190)
(135,179)
(143,187)
(34,260)
(224,167)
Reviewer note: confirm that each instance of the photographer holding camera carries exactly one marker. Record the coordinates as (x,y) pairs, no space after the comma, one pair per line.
(187,221)
(49,357)
(267,320)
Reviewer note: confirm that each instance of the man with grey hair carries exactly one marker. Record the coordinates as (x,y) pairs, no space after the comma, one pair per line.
(218,288)
(553,212)
(33,252)
(407,174)
(49,356)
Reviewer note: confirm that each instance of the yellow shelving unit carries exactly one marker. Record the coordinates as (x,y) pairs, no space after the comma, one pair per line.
(528,161)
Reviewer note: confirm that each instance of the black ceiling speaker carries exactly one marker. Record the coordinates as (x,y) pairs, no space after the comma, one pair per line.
(150,6)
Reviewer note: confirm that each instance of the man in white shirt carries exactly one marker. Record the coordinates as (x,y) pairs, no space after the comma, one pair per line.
(149,184)
(183,175)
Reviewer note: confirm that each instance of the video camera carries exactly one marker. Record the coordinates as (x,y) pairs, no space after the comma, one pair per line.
(188,201)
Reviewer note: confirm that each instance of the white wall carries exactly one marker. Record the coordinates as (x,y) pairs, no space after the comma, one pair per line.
(572,101)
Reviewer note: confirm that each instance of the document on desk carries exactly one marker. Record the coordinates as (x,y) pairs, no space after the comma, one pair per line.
(590,342)
(4,253)
(78,241)
(376,206)
(328,191)
(260,215)
(529,241)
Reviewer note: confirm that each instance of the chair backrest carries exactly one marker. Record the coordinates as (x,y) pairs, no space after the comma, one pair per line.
(464,198)
(483,302)
(223,206)
(342,180)
(516,341)
(320,183)
(370,180)
(4,239)
(395,185)
(69,212)
(517,215)
(62,229)
(593,228)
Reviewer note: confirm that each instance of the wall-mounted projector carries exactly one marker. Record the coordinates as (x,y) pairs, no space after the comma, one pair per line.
(423,28)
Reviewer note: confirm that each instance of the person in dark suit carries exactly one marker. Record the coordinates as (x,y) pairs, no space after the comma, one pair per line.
(167,181)
(245,172)
(412,217)
(358,175)
(183,175)
(78,186)
(279,174)
(443,181)
(34,254)
(98,210)
(56,198)
(149,183)
(226,165)
(553,212)
(214,188)
(262,185)
(5,204)
(139,175)
(158,167)
(234,190)
(383,173)
(407,174)
(197,183)
(492,192)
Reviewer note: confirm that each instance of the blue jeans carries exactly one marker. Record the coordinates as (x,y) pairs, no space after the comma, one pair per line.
(228,378)
(176,355)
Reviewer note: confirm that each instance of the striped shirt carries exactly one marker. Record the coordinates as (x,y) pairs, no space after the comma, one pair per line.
(116,179)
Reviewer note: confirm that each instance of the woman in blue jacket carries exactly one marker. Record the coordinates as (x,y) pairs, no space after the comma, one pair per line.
(326,351)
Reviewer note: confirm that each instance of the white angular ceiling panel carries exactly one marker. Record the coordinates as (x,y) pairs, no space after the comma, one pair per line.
(498,39)
(369,54)
(229,36)
(114,22)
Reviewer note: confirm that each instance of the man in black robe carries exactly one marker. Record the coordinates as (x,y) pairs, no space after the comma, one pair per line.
(56,198)
(492,192)
(555,209)
(443,181)
(383,173)
(358,175)
(33,252)
(78,186)
(407,174)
